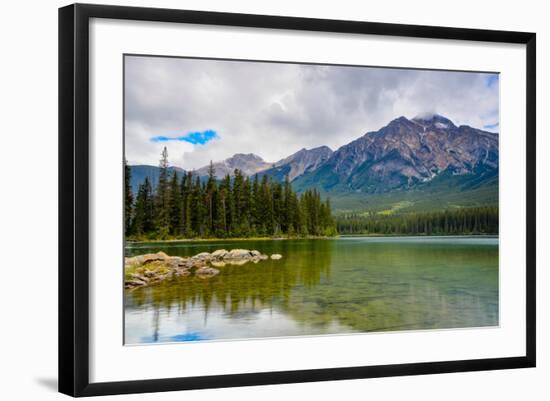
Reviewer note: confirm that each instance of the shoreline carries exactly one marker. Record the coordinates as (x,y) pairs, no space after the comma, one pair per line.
(239,239)
(225,239)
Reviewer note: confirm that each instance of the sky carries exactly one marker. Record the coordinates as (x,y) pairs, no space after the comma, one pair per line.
(204,109)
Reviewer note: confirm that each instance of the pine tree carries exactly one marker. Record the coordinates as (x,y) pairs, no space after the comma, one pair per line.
(241,206)
(211,197)
(238,202)
(188,206)
(175,206)
(247,208)
(277,207)
(149,223)
(162,206)
(226,203)
(128,199)
(198,209)
(138,221)
(266,207)
(143,221)
(255,206)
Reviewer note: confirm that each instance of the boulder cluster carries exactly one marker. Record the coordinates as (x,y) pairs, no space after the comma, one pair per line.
(151,268)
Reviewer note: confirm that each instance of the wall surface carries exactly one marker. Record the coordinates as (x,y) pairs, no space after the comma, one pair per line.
(28,201)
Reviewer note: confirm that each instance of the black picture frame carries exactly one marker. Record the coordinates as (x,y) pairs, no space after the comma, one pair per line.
(74,198)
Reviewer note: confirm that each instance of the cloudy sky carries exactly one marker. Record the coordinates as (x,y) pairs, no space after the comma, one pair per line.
(206,110)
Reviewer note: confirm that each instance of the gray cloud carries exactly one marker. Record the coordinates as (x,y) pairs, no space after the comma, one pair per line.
(275,109)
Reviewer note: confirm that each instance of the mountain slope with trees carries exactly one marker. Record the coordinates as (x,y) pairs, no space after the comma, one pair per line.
(410,167)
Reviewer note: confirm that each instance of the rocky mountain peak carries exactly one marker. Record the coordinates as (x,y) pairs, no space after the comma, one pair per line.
(248,163)
(434,121)
(302,161)
(399,156)
(246,157)
(405,153)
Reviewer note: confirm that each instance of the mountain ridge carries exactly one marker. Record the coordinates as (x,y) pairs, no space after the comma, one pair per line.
(403,155)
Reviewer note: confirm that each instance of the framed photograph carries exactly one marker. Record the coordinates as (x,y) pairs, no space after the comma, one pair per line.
(250,199)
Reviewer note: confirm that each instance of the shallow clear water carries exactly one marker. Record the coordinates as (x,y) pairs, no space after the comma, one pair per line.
(321,286)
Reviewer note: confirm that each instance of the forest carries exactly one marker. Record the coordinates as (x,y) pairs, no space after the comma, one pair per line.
(234,207)
(243,207)
(475,220)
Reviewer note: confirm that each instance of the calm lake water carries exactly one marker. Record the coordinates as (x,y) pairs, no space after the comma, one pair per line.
(322,286)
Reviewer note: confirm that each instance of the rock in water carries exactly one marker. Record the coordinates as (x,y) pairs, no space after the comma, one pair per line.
(141,260)
(219,254)
(237,254)
(134,283)
(206,271)
(203,256)
(238,262)
(155,267)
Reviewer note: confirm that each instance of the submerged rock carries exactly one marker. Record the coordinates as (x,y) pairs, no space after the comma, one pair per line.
(238,262)
(206,271)
(134,283)
(182,272)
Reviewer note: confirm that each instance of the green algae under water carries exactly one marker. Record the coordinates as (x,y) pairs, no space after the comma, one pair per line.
(321,286)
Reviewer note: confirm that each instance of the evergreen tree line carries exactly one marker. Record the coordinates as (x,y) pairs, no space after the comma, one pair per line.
(238,206)
(477,220)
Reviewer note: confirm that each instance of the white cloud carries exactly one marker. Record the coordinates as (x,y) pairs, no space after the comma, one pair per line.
(274,109)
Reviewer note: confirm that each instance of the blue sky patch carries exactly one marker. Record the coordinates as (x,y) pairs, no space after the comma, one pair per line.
(491,80)
(491,126)
(195,138)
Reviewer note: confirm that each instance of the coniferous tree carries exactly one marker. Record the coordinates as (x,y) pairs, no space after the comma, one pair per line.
(238,201)
(143,219)
(188,206)
(247,207)
(198,209)
(226,201)
(255,206)
(162,206)
(138,221)
(128,199)
(477,220)
(235,206)
(277,207)
(211,197)
(266,207)
(175,206)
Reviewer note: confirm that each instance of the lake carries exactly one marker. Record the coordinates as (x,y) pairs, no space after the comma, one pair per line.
(321,286)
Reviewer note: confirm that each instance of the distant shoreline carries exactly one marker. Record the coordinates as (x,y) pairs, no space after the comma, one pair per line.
(199,240)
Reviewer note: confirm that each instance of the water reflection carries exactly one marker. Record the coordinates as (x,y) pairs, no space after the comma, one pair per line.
(322,286)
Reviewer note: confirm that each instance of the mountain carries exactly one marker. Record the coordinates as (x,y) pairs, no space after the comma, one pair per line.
(424,163)
(139,172)
(299,163)
(403,155)
(248,163)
